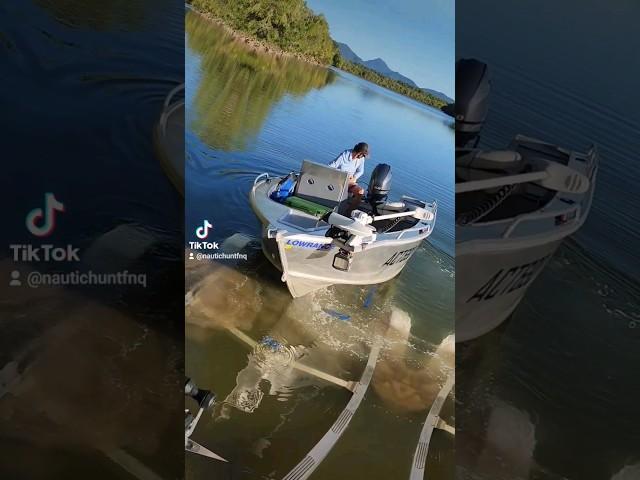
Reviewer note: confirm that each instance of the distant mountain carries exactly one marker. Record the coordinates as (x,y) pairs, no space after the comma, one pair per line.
(348,54)
(382,68)
(379,65)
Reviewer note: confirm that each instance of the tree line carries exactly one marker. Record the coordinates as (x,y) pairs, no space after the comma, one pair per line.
(287,24)
(386,82)
(293,27)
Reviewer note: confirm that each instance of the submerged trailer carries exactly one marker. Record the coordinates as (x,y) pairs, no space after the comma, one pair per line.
(432,422)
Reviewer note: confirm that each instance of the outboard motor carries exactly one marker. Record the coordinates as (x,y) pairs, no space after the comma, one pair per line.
(379,186)
(205,400)
(473,86)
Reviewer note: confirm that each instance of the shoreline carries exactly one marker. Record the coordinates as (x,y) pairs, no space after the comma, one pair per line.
(387,91)
(271,49)
(254,43)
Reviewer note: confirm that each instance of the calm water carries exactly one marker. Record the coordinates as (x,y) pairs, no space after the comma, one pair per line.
(249,113)
(563,373)
(99,369)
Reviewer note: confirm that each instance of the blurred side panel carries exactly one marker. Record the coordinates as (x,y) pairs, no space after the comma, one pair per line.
(91,270)
(547,314)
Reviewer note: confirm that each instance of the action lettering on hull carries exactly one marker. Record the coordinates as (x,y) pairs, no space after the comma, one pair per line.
(399,257)
(506,281)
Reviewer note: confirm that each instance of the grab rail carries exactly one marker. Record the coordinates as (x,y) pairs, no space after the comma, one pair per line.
(539,216)
(257,179)
(172,93)
(591,159)
(433,208)
(168,109)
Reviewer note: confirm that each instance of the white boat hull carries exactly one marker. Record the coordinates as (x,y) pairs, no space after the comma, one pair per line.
(305,255)
(496,262)
(308,261)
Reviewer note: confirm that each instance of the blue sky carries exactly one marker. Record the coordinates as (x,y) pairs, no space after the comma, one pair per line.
(414,37)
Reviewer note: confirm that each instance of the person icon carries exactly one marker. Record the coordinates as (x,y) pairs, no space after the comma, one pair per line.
(15,279)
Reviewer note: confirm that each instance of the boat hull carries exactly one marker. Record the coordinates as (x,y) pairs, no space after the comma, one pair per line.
(497,261)
(308,261)
(491,283)
(297,244)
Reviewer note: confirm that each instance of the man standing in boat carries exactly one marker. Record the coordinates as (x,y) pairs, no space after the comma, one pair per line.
(352,161)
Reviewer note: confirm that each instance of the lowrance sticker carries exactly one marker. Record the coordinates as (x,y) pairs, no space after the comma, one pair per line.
(309,245)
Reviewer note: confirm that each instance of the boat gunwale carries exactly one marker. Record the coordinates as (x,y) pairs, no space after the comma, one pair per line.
(382,238)
(502,231)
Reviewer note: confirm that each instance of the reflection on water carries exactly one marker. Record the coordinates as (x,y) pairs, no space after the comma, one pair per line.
(407,380)
(239,86)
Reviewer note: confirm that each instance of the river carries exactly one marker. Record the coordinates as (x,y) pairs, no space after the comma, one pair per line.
(249,112)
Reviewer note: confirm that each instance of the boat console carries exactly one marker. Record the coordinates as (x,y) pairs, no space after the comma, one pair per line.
(322,184)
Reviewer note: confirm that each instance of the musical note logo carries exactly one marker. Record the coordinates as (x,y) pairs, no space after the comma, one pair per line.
(203,231)
(41,223)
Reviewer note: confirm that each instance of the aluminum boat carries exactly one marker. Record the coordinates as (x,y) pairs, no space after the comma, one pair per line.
(313,234)
(514,208)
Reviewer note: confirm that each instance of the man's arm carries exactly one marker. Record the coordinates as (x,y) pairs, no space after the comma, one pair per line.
(359,171)
(337,162)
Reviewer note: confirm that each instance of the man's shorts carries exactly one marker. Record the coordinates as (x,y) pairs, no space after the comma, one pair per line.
(355,189)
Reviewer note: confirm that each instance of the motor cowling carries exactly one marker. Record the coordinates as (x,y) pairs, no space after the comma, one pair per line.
(204,398)
(473,86)
(379,185)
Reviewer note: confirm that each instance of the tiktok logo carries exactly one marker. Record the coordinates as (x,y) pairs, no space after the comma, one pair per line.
(41,223)
(203,231)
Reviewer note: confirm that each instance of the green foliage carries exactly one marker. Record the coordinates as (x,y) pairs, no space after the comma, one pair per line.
(287,24)
(293,27)
(239,85)
(386,82)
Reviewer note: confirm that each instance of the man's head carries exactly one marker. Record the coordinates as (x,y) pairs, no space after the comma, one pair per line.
(361,150)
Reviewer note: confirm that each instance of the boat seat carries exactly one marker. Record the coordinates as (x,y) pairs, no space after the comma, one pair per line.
(300,220)
(312,208)
(505,160)
(393,207)
(322,184)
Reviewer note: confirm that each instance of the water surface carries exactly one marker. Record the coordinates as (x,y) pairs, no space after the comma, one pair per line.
(248,113)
